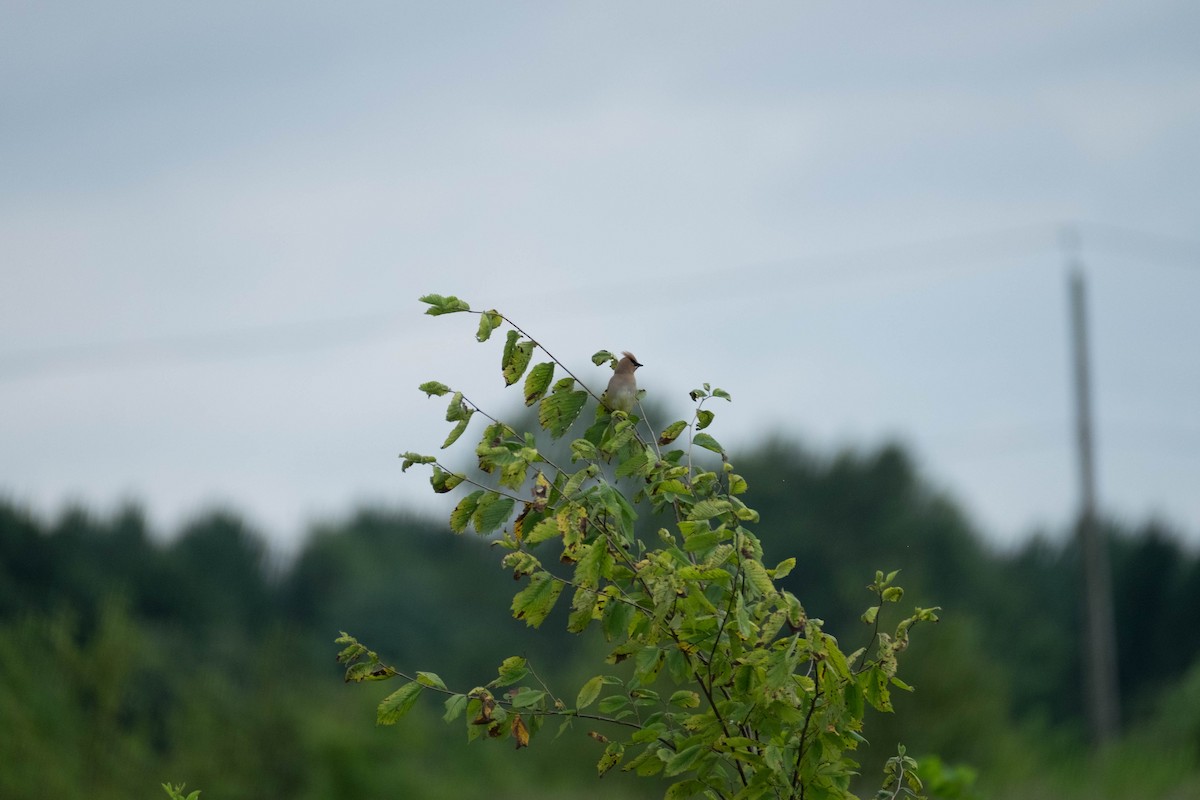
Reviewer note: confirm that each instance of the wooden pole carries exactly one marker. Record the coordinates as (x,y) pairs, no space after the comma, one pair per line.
(1099,653)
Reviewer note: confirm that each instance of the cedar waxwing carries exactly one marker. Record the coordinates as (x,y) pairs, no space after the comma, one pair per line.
(621,393)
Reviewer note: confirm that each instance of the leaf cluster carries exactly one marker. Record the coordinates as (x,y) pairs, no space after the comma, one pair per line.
(726,686)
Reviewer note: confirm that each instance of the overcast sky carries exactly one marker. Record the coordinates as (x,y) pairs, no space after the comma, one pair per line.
(216,219)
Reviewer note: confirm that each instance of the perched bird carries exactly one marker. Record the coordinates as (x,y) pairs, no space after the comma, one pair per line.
(621,393)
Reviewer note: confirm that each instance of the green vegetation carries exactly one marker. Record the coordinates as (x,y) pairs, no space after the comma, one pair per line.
(717,680)
(129,658)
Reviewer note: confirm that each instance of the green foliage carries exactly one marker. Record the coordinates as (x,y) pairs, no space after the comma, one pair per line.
(176,792)
(719,680)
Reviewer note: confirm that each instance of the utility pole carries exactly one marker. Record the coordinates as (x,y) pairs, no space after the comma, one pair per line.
(1099,645)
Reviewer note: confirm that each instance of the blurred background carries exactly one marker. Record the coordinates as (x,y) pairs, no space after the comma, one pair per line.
(216,220)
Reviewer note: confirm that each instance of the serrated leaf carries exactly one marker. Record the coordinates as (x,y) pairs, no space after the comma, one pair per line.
(430,679)
(491,512)
(589,692)
(526,697)
(535,602)
(559,411)
(397,704)
(546,529)
(439,305)
(636,464)
(704,418)
(432,388)
(684,760)
(512,670)
(757,575)
(583,610)
(488,322)
(612,756)
(456,410)
(685,699)
(583,450)
(672,431)
(783,568)
(411,458)
(701,541)
(737,484)
(443,481)
(708,508)
(460,517)
(708,443)
(457,431)
(595,564)
(537,381)
(516,357)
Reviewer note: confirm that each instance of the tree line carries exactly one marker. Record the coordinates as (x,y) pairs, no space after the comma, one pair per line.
(129,657)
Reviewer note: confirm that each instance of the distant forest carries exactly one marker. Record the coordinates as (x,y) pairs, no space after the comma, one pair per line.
(129,657)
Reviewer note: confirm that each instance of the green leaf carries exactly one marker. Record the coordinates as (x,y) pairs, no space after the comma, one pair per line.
(647,663)
(439,305)
(537,381)
(685,699)
(708,443)
(535,602)
(708,508)
(671,433)
(443,481)
(431,680)
(431,388)
(488,322)
(636,464)
(526,697)
(892,594)
(684,760)
(583,450)
(411,458)
(784,567)
(491,512)
(616,618)
(460,517)
(704,418)
(457,432)
(589,692)
(397,704)
(457,410)
(455,705)
(724,395)
(512,670)
(559,411)
(612,756)
(600,356)
(544,530)
(583,610)
(516,357)
(702,541)
(595,564)
(757,575)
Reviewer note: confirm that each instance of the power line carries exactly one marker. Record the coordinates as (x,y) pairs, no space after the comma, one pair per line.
(219,345)
(958,252)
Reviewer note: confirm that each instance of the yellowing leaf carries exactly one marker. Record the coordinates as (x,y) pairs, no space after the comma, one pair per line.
(520,733)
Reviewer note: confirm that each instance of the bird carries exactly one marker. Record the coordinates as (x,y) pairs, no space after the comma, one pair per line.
(621,393)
